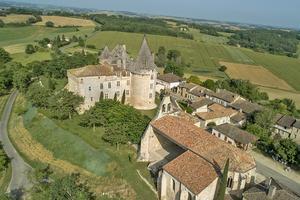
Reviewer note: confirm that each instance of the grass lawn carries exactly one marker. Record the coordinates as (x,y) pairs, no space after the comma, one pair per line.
(284,67)
(279,94)
(28,34)
(66,21)
(67,141)
(28,58)
(5,177)
(203,57)
(3,100)
(13,18)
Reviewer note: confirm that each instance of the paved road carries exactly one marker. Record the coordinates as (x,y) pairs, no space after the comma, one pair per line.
(268,172)
(20,168)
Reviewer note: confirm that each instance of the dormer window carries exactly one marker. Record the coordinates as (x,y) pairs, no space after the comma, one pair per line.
(109,85)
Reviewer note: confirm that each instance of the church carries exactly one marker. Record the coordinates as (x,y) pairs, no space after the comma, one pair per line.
(117,75)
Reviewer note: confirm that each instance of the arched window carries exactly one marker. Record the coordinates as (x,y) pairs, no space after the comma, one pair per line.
(164,108)
(169,107)
(229,182)
(190,196)
(173,185)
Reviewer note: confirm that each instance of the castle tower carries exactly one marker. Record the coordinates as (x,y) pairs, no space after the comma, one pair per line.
(143,79)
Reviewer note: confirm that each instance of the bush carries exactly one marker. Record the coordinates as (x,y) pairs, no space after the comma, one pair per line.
(91,46)
(30,49)
(223,68)
(49,24)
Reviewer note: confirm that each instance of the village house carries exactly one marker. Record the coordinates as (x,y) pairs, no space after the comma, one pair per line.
(116,76)
(235,136)
(184,89)
(246,107)
(223,97)
(188,160)
(239,119)
(200,105)
(269,189)
(168,82)
(286,126)
(216,115)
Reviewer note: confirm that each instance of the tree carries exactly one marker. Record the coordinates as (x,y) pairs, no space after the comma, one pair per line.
(161,57)
(49,24)
(194,79)
(30,49)
(265,118)
(173,67)
(174,55)
(123,98)
(287,150)
(51,84)
(66,188)
(223,182)
(4,56)
(4,160)
(115,97)
(6,81)
(38,95)
(64,104)
(81,42)
(101,96)
(2,24)
(223,68)
(210,84)
(22,79)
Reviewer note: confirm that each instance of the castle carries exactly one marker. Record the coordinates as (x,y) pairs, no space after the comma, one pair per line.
(115,76)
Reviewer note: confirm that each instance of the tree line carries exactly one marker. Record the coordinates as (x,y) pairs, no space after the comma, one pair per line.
(137,25)
(266,40)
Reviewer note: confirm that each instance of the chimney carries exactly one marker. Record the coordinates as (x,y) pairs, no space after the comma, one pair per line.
(271,192)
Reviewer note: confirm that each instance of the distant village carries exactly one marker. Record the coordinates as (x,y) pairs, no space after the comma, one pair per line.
(187,150)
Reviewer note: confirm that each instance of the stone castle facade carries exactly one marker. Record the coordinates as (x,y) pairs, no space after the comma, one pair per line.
(115,75)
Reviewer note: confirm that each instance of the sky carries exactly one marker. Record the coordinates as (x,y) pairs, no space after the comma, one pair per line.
(285,13)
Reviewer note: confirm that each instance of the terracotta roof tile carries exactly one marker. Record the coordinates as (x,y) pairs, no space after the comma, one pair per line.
(192,171)
(217,111)
(199,141)
(170,78)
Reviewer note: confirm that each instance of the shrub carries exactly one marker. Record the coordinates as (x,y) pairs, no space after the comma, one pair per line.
(49,24)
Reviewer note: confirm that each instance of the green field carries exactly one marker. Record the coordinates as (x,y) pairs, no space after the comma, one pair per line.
(284,67)
(85,148)
(21,36)
(203,57)
(28,58)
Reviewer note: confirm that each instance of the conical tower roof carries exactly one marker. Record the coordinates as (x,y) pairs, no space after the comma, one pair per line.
(145,60)
(105,53)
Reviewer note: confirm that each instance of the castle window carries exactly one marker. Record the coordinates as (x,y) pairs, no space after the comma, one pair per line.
(118,93)
(90,88)
(225,138)
(127,92)
(109,84)
(150,95)
(92,98)
(128,82)
(152,77)
(151,86)
(106,96)
(118,83)
(219,134)
(101,86)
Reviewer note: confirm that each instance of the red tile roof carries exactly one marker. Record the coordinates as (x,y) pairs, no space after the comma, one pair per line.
(202,143)
(192,171)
